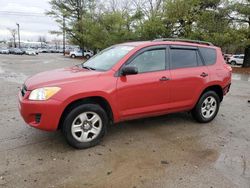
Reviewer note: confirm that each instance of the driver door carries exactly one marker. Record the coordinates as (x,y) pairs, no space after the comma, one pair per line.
(147,92)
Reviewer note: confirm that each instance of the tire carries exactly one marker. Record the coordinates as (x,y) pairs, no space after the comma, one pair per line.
(80,131)
(87,56)
(73,56)
(207,107)
(233,63)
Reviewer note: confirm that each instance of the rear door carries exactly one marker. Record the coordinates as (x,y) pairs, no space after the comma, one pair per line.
(189,75)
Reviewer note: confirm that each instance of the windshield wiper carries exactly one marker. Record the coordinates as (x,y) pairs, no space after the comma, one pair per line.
(87,67)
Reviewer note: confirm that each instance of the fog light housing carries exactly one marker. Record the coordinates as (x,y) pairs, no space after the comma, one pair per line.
(38,118)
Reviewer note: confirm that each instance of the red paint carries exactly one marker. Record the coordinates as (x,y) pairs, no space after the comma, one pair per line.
(130,97)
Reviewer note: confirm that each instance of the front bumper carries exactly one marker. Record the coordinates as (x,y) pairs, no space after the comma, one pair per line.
(43,115)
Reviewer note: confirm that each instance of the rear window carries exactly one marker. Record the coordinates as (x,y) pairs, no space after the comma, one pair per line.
(209,55)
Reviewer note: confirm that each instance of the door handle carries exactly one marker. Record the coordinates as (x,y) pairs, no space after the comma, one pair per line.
(164,78)
(203,74)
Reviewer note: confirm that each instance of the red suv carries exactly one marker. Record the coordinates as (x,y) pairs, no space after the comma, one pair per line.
(127,81)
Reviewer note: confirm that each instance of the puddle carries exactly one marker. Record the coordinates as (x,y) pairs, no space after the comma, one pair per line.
(242,77)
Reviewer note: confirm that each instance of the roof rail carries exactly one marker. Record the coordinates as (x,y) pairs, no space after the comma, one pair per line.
(184,40)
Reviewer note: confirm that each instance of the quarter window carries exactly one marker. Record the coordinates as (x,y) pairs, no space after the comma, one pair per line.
(152,60)
(209,55)
(183,58)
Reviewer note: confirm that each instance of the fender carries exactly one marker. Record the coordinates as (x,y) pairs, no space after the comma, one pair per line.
(209,84)
(106,96)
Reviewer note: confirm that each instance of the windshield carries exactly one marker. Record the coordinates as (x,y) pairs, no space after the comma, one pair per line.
(107,58)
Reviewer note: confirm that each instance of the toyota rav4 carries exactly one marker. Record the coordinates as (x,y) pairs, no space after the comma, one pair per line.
(127,81)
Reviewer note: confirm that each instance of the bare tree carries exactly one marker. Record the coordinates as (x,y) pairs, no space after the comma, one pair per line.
(13,33)
(42,39)
(150,8)
(56,43)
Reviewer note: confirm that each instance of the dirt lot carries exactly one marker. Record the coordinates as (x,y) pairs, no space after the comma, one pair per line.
(166,151)
(241,70)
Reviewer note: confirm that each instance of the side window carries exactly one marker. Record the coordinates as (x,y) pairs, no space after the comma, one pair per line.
(152,60)
(183,58)
(209,55)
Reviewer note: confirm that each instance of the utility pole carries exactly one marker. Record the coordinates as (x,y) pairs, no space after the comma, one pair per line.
(18,30)
(64,35)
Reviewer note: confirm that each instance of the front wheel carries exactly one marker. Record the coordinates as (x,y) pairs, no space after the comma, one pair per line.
(85,125)
(207,107)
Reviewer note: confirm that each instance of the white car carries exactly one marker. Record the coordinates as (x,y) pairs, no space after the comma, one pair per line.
(31,52)
(236,59)
(4,51)
(78,53)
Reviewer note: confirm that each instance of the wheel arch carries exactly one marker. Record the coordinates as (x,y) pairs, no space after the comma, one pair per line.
(92,100)
(216,88)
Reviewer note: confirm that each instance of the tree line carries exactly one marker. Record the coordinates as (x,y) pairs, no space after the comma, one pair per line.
(97,24)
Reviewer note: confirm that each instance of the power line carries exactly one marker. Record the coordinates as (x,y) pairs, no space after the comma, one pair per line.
(15,13)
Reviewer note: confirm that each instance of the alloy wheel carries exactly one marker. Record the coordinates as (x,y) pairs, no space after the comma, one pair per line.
(208,107)
(86,126)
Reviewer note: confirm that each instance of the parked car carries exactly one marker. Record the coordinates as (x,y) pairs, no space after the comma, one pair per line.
(43,50)
(78,53)
(16,51)
(67,51)
(127,81)
(53,50)
(236,59)
(60,51)
(4,51)
(227,57)
(24,50)
(11,50)
(31,51)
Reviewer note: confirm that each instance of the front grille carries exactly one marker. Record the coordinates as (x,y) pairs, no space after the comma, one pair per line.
(23,90)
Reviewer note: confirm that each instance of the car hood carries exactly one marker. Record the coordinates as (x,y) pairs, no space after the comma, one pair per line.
(59,76)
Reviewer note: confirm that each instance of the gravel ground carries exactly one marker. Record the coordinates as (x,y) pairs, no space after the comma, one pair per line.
(167,151)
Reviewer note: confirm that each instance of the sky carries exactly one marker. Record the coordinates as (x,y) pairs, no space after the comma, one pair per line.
(30,16)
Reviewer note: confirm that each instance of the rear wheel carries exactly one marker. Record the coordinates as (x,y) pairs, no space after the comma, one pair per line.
(207,107)
(233,63)
(85,126)
(73,56)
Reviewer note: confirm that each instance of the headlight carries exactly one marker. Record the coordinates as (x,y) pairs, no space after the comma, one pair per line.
(44,93)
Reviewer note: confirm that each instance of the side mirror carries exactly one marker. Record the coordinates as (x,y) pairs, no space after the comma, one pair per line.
(129,70)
